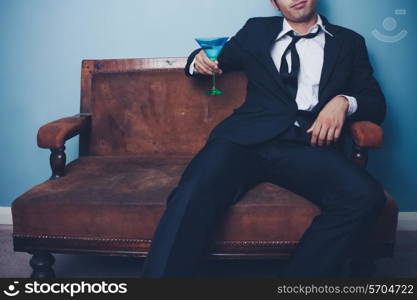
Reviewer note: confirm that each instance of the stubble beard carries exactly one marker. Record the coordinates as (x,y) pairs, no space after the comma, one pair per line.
(302,16)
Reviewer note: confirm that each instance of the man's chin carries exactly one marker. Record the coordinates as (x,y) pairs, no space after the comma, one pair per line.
(301,17)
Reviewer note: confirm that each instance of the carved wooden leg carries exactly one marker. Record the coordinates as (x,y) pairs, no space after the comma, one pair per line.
(362,267)
(41,264)
(58,159)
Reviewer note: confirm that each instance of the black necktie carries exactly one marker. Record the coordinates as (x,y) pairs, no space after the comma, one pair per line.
(291,78)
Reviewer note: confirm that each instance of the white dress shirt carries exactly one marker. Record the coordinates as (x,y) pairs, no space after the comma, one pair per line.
(311,52)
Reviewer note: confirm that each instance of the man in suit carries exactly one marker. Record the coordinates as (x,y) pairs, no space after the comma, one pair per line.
(306,79)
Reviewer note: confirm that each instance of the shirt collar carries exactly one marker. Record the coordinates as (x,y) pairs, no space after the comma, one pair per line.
(286,27)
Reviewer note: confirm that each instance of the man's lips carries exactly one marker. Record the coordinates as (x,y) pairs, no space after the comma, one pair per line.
(300,4)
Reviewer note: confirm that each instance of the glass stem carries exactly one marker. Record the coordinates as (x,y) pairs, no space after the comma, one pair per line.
(214,80)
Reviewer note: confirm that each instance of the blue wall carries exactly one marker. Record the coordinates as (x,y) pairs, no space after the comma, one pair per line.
(44,41)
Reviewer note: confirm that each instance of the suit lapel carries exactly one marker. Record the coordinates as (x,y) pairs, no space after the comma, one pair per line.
(332,49)
(270,65)
(266,58)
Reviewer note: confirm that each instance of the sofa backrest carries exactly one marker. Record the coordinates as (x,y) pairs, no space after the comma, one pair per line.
(149,106)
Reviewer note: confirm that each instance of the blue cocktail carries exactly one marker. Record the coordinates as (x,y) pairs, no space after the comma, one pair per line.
(212,47)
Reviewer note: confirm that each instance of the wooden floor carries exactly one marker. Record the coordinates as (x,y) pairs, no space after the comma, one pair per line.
(16,264)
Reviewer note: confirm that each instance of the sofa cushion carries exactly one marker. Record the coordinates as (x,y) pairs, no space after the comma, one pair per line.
(123,197)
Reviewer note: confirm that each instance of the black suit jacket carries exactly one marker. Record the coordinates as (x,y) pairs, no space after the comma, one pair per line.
(268,109)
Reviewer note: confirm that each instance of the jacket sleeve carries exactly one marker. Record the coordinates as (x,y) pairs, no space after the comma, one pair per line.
(230,58)
(371,104)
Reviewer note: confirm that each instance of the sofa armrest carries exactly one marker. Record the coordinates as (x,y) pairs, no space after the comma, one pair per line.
(54,134)
(365,135)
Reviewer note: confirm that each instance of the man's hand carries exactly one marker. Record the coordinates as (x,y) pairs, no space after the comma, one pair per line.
(203,65)
(329,123)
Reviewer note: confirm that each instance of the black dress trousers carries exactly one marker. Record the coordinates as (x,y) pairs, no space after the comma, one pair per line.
(350,200)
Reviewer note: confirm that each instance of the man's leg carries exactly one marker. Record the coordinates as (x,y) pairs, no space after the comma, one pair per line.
(217,176)
(349,197)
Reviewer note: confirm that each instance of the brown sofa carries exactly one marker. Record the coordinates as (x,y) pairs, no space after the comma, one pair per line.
(141,122)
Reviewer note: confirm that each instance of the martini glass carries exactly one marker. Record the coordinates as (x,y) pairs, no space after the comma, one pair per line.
(212,47)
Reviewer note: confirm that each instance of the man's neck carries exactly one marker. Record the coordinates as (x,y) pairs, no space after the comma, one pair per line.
(303,27)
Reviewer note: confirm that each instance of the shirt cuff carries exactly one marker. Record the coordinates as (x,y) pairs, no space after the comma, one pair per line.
(353,104)
(191,70)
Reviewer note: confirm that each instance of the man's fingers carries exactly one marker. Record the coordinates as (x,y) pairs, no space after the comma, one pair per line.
(203,58)
(202,69)
(207,69)
(337,133)
(315,134)
(201,63)
(330,136)
(322,135)
(208,62)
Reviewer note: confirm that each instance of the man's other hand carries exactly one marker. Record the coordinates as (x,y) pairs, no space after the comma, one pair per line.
(203,65)
(329,123)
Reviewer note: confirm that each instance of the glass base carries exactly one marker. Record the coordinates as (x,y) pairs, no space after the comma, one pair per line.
(213,92)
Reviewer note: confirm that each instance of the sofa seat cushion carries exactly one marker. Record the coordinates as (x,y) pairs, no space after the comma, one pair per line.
(123,197)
